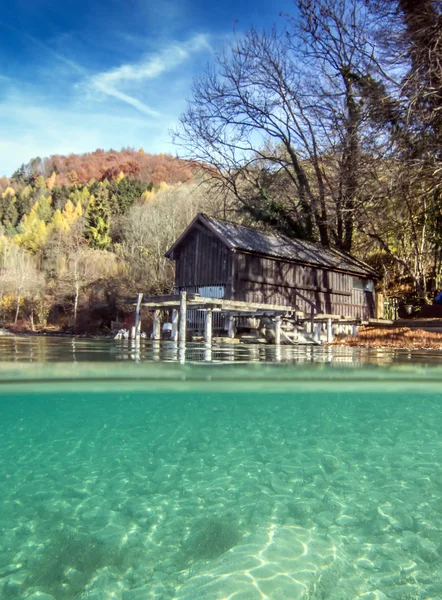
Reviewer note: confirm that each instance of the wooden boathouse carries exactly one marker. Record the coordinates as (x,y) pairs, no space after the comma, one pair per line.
(220,259)
(227,273)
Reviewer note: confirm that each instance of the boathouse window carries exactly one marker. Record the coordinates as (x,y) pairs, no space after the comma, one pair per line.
(365,285)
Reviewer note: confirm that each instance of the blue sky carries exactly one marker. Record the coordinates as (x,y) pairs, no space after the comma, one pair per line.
(86,74)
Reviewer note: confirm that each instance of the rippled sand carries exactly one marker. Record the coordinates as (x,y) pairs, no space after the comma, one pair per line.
(206,496)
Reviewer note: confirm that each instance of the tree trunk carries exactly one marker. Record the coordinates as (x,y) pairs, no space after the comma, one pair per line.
(17,309)
(77,293)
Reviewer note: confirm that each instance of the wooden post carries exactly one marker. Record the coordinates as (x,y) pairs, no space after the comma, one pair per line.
(183,318)
(156,332)
(379,306)
(208,327)
(174,334)
(329,331)
(278,331)
(317,333)
(137,316)
(231,327)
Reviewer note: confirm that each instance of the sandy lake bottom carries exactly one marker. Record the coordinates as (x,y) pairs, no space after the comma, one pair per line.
(204,495)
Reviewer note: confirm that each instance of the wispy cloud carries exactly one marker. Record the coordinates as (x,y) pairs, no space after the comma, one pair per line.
(114,82)
(46,47)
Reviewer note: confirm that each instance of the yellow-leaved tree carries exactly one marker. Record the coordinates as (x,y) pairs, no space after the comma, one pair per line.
(50,181)
(81,196)
(62,220)
(32,231)
(9,192)
(148,195)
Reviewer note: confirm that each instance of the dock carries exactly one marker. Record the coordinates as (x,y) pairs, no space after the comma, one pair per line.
(180,304)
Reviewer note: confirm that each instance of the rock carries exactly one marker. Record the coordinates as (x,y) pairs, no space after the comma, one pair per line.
(347,521)
(427,551)
(9,569)
(365,563)
(330,463)
(325,519)
(10,589)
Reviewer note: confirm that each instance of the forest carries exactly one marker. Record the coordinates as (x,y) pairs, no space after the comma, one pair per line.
(81,233)
(327,127)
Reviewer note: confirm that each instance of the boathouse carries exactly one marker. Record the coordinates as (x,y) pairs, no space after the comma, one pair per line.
(220,259)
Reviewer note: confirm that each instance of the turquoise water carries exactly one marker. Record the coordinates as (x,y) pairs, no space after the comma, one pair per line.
(140,480)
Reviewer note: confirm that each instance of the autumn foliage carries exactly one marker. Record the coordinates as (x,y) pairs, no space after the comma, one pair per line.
(395,337)
(107,165)
(85,231)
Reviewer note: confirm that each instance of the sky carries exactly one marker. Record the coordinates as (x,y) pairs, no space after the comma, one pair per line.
(86,74)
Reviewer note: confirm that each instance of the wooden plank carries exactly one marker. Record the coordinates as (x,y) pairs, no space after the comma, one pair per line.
(167,300)
(151,306)
(239,305)
(195,301)
(256,313)
(160,299)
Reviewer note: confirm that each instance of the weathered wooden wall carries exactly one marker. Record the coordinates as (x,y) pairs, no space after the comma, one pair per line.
(259,279)
(203,260)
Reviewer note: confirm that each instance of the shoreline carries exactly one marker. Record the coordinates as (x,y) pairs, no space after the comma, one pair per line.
(399,338)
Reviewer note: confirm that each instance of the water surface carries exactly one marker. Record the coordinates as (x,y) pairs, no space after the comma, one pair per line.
(73,349)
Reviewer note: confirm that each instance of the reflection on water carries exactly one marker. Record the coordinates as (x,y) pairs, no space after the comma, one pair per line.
(67,349)
(70,349)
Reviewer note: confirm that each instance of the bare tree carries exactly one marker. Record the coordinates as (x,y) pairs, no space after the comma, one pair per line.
(151,228)
(20,277)
(278,110)
(75,266)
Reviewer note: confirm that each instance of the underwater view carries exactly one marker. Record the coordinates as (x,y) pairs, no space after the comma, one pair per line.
(133,481)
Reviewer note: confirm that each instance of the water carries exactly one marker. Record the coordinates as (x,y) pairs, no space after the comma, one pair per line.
(68,349)
(133,480)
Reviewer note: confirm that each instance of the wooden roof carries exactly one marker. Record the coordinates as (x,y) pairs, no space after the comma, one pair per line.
(246,239)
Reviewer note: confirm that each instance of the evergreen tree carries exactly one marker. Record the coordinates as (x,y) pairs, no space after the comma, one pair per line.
(8,210)
(123,192)
(97,221)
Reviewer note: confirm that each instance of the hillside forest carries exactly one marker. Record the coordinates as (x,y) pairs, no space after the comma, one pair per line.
(81,233)
(327,127)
